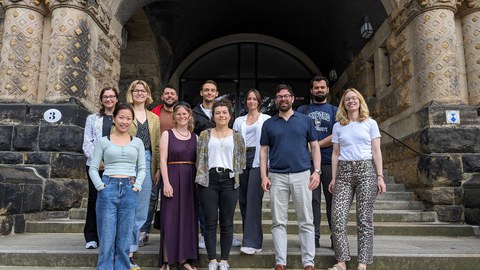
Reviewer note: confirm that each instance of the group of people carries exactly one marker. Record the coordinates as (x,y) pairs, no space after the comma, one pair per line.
(200,165)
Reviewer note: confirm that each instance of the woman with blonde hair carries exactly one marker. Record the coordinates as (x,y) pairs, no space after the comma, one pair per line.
(145,126)
(179,203)
(356,171)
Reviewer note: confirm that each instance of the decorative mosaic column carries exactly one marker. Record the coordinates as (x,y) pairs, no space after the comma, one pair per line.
(436,64)
(69,55)
(21,52)
(471,41)
(84,56)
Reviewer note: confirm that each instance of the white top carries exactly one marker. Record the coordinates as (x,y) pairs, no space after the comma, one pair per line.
(240,125)
(355,139)
(207,112)
(251,135)
(220,152)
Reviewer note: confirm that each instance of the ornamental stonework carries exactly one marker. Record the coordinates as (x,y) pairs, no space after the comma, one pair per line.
(471,42)
(95,8)
(400,18)
(21,54)
(435,59)
(69,56)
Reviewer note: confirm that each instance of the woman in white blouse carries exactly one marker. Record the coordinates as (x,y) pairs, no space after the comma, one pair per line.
(250,191)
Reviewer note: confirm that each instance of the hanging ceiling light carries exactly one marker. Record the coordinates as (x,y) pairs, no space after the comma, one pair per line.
(366,30)
(332,75)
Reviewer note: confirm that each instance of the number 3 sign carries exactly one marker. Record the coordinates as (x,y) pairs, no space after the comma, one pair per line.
(52,115)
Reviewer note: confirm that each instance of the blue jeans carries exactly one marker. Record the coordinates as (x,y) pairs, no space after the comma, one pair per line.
(141,212)
(115,209)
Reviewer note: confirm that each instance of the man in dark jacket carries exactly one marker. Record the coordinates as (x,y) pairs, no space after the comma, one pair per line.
(202,113)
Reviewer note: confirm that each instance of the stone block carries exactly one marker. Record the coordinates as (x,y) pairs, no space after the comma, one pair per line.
(6,138)
(20,223)
(449,213)
(449,140)
(68,165)
(6,224)
(38,158)
(42,170)
(8,157)
(61,138)
(471,163)
(64,193)
(22,190)
(12,114)
(72,114)
(406,172)
(437,115)
(440,171)
(25,138)
(444,195)
(394,151)
(472,216)
(471,192)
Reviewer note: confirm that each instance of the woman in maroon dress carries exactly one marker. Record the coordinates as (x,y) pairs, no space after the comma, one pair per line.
(178,218)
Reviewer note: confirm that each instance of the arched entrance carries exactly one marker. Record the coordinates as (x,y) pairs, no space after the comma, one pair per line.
(239,63)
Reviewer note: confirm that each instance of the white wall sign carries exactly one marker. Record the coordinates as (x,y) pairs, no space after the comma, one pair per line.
(52,115)
(453,117)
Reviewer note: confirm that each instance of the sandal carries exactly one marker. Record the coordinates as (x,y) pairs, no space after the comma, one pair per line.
(337,267)
(187,266)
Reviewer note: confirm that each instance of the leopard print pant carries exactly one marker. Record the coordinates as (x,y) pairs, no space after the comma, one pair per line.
(354,178)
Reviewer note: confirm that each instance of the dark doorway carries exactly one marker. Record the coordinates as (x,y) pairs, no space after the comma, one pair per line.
(238,67)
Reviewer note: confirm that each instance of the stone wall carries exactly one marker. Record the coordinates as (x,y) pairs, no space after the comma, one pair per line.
(52,150)
(430,54)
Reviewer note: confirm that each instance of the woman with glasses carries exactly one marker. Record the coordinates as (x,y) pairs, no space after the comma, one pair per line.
(220,161)
(356,171)
(250,191)
(179,204)
(98,125)
(145,126)
(123,157)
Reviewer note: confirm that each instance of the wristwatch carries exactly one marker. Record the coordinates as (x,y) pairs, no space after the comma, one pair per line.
(319,171)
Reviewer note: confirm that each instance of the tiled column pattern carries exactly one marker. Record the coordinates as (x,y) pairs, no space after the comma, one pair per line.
(436,65)
(21,51)
(471,41)
(69,55)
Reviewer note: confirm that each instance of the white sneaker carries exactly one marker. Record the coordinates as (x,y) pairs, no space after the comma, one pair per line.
(91,245)
(223,266)
(212,265)
(249,250)
(143,239)
(236,242)
(201,244)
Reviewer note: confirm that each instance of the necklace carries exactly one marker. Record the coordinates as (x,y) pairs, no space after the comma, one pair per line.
(221,139)
(178,131)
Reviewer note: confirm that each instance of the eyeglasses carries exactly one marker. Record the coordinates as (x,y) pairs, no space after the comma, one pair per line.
(280,97)
(139,91)
(351,98)
(109,97)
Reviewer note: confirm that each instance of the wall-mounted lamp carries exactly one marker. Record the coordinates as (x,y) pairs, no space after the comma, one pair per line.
(366,30)
(332,75)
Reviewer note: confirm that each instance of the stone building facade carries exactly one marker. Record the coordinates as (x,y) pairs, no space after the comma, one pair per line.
(421,65)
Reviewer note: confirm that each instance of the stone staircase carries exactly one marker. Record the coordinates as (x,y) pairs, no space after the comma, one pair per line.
(406,237)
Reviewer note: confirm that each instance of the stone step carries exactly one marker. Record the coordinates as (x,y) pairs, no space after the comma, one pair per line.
(81,213)
(390,252)
(381,228)
(378,216)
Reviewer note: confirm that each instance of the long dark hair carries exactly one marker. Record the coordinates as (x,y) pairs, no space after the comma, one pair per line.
(123,106)
(106,88)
